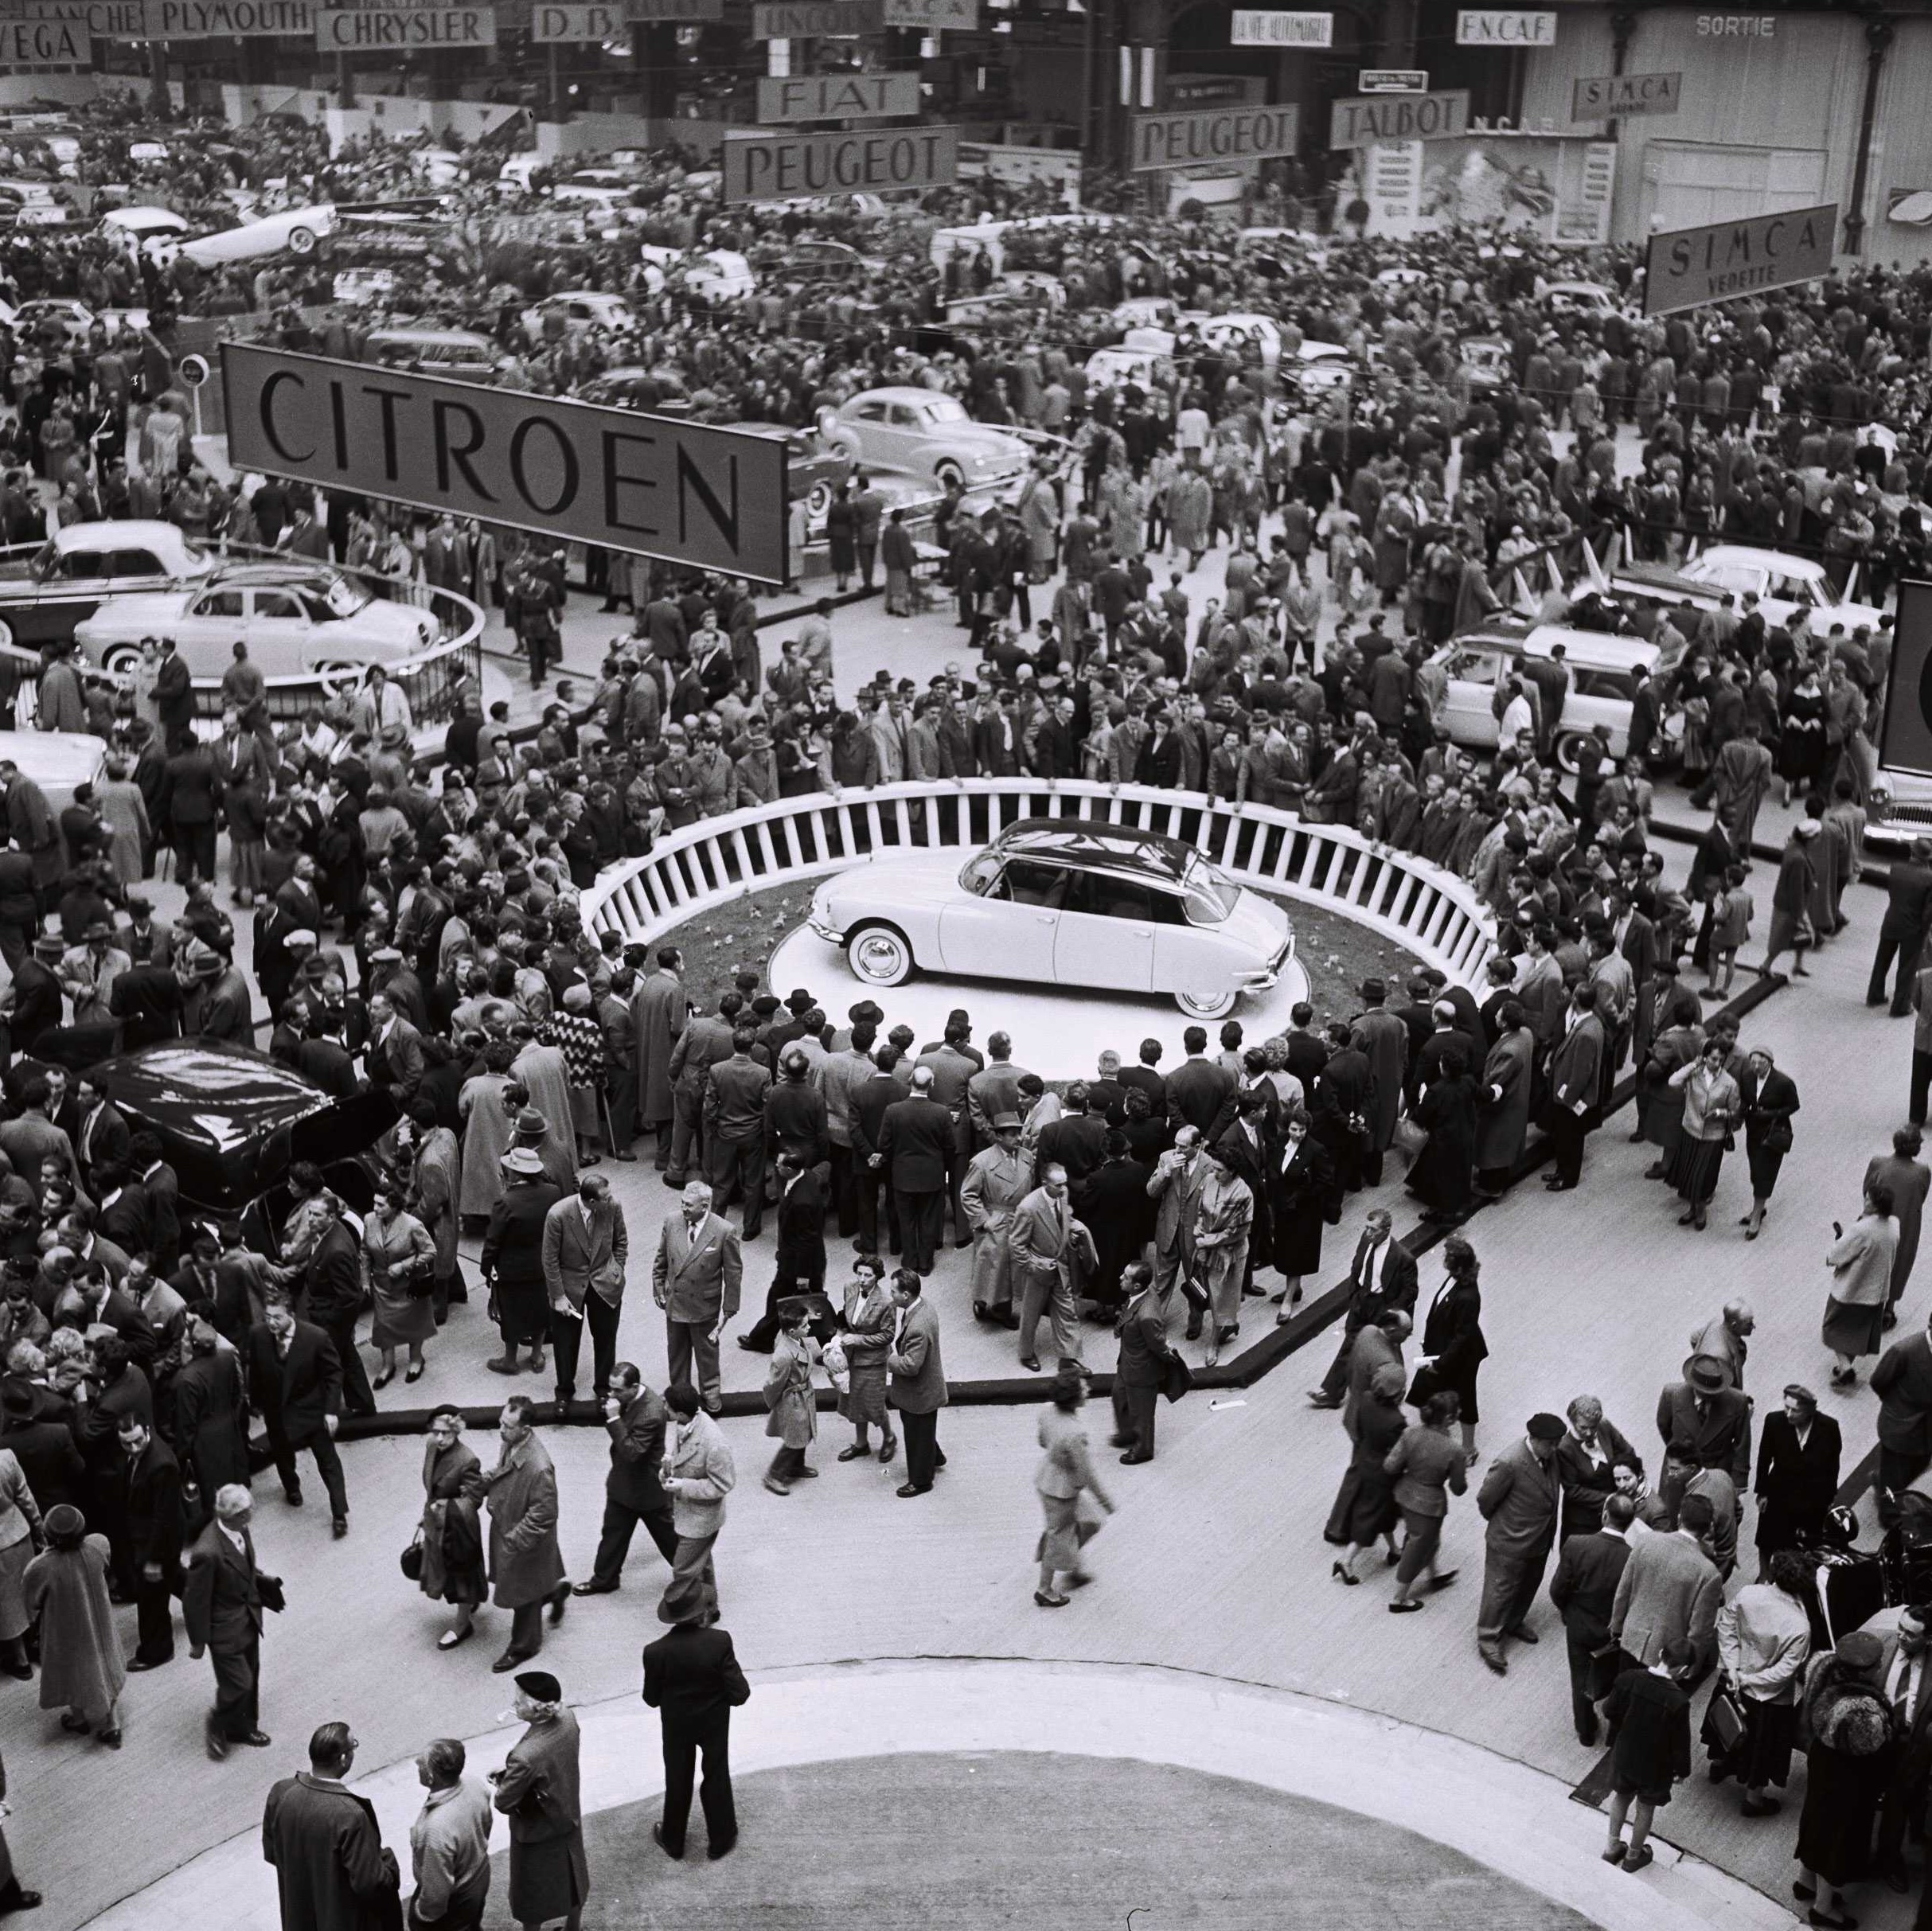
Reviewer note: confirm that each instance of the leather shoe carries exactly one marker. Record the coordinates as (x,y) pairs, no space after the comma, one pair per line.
(912,1489)
(217,1745)
(723,1848)
(657,1837)
(1130,1460)
(1031,1362)
(22,1900)
(1317,1399)
(292,1497)
(595,1588)
(257,1739)
(559,1602)
(138,1663)
(338,1527)
(1523,1633)
(1494,1658)
(508,1661)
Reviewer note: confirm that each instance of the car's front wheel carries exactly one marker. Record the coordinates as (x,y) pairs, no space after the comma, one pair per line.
(301,241)
(1196,1006)
(121,660)
(6,633)
(340,679)
(949,473)
(880,955)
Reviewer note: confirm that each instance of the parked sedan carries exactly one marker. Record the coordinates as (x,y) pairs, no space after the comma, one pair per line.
(1787,587)
(294,619)
(1061,901)
(929,435)
(582,311)
(47,589)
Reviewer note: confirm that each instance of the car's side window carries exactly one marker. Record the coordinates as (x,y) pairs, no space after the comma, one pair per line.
(220,603)
(1107,897)
(1028,883)
(135,563)
(1474,666)
(1604,683)
(79,566)
(278,603)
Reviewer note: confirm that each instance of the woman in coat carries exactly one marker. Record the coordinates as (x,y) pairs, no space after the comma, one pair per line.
(1791,929)
(842,535)
(1799,1452)
(66,1593)
(1306,1200)
(1801,749)
(451,1534)
(1860,1260)
(1372,1512)
(1443,1178)
(435,1187)
(1066,1472)
(865,1330)
(1844,1729)
(1190,513)
(1427,1467)
(488,1131)
(1502,1103)
(210,1408)
(1453,1347)
(20,1538)
(1767,1134)
(793,1422)
(1763,1641)
(125,814)
(400,1261)
(1713,1104)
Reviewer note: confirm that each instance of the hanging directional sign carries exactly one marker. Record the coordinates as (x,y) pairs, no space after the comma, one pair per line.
(1216,133)
(553,24)
(837,97)
(774,167)
(811,20)
(1392,81)
(1691,267)
(1620,95)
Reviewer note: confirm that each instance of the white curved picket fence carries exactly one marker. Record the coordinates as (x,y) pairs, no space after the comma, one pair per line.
(1432,913)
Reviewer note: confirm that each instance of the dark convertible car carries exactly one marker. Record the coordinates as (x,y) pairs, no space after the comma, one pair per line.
(232,1121)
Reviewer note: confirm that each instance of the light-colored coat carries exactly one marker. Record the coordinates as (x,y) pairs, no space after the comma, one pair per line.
(918,1374)
(525,1563)
(1670,1590)
(699,1474)
(696,1276)
(1176,1186)
(996,1182)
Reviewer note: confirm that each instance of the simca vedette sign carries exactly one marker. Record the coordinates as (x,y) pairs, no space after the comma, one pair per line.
(1616,97)
(1693,266)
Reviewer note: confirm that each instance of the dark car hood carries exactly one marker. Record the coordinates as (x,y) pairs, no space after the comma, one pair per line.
(231,1121)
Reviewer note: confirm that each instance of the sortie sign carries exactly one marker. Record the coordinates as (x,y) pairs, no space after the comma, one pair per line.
(1621,95)
(1218,134)
(689,493)
(357,31)
(837,97)
(1398,117)
(1693,266)
(1257,29)
(813,20)
(774,167)
(553,25)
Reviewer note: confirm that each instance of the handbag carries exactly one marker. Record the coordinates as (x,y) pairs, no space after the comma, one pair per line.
(412,1561)
(1723,1722)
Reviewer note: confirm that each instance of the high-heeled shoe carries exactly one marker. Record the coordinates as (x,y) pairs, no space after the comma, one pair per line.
(1342,1574)
(415,1372)
(383,1380)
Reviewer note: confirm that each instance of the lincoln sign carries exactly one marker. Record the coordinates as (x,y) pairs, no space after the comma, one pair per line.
(1694,266)
(1220,133)
(683,492)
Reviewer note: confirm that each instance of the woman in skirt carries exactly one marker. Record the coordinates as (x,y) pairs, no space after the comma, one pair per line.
(1372,1512)
(1846,1729)
(1767,1133)
(1065,1474)
(1860,1260)
(1763,1643)
(401,1259)
(1713,1104)
(1306,1199)
(450,1535)
(866,1327)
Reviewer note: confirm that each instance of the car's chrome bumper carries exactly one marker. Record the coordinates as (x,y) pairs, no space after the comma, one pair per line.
(827,931)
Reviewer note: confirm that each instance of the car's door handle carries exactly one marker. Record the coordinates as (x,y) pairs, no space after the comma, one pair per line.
(1143,931)
(1046,918)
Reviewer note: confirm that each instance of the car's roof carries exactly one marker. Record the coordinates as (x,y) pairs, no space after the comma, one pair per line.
(1114,848)
(296,570)
(133,533)
(1752,558)
(1607,649)
(903,392)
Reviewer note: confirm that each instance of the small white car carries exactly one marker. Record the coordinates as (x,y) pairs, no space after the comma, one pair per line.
(1243,335)
(75,318)
(1144,356)
(1601,684)
(159,230)
(296,230)
(1588,298)
(718,275)
(583,309)
(929,434)
(1786,586)
(295,619)
(1061,901)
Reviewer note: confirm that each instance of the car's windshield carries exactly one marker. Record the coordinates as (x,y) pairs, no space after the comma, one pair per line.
(1212,895)
(944,409)
(980,872)
(341,598)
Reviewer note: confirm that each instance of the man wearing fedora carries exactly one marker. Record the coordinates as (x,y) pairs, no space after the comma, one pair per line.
(537,1790)
(1705,1423)
(526,1564)
(692,1680)
(513,1259)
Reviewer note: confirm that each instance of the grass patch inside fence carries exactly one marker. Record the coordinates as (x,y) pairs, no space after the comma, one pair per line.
(1336,953)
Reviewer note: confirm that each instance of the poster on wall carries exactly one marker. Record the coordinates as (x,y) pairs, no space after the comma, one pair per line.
(1551,186)
(1392,183)
(1259,29)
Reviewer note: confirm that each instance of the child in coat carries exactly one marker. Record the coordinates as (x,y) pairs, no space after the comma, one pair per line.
(1649,1715)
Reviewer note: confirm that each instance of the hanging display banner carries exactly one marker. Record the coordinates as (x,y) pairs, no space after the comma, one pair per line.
(689,493)
(1220,133)
(687,13)
(813,20)
(552,25)
(1489,29)
(932,16)
(1622,95)
(1692,266)
(774,167)
(403,28)
(1398,117)
(213,19)
(1249,28)
(837,97)
(45,43)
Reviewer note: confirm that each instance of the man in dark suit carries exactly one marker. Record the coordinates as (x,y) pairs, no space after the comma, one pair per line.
(1147,1077)
(871,1098)
(37,1008)
(1197,1089)
(1382,1276)
(915,1143)
(126,1217)
(1576,1064)
(162,1185)
(1902,1382)
(1077,1139)
(103,1134)
(692,1679)
(1584,1590)
(334,1283)
(1144,1353)
(634,1417)
(222,1597)
(295,1382)
(1902,931)
(154,1534)
(801,1247)
(394,1055)
(173,691)
(189,801)
(331,1868)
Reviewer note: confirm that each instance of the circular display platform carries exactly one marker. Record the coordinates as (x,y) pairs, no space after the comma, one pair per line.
(965,1839)
(1057,1032)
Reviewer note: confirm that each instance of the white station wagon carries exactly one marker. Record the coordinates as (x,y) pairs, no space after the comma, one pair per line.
(1061,901)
